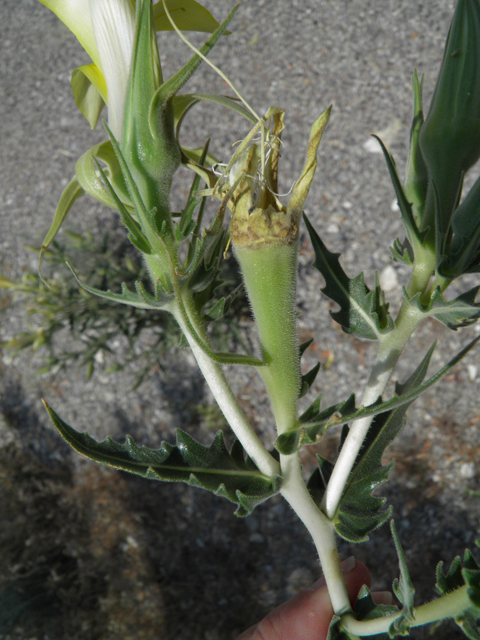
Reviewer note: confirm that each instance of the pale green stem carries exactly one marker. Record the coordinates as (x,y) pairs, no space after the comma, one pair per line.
(320,528)
(391,347)
(224,396)
(447,606)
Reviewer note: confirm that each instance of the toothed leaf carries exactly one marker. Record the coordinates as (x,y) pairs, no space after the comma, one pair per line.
(141,299)
(402,252)
(366,609)
(360,512)
(311,431)
(360,313)
(460,312)
(232,474)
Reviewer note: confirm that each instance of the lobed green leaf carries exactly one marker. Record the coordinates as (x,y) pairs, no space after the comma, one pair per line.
(460,312)
(313,430)
(359,511)
(231,474)
(362,312)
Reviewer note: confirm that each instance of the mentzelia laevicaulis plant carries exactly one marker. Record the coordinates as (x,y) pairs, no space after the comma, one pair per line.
(132,172)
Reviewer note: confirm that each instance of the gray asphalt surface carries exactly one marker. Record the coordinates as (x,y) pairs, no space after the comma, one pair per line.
(213,575)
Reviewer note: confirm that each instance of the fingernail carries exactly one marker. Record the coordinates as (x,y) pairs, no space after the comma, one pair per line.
(382,597)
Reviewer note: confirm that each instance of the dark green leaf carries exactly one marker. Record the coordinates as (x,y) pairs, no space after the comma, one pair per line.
(337,632)
(366,609)
(232,474)
(308,379)
(360,313)
(460,312)
(403,203)
(304,346)
(402,252)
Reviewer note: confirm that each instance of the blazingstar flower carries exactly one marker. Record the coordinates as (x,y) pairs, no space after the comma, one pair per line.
(106,30)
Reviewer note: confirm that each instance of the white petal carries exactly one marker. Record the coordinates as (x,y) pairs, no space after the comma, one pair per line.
(114,27)
(75,14)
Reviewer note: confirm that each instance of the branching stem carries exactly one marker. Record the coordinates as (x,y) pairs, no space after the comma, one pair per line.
(447,606)
(224,396)
(391,347)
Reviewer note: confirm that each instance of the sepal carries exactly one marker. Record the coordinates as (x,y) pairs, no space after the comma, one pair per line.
(463,254)
(230,474)
(88,175)
(90,91)
(362,312)
(416,175)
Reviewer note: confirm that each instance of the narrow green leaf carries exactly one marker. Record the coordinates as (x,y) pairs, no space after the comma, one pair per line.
(127,297)
(403,203)
(460,312)
(132,225)
(176,82)
(312,431)
(232,475)
(403,589)
(416,174)
(359,312)
(72,192)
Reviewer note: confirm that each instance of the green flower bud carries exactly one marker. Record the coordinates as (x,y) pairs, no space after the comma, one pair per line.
(450,136)
(148,140)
